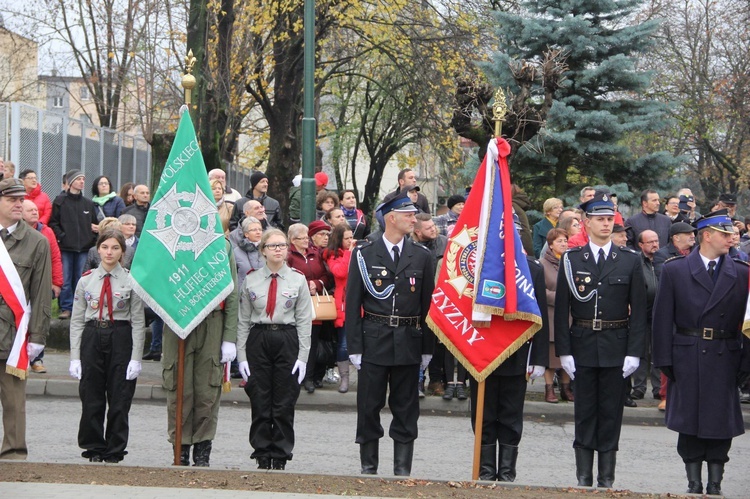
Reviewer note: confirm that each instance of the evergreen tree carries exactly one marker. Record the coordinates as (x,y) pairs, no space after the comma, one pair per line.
(598,101)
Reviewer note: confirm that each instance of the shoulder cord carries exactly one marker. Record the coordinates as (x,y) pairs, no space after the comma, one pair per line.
(382,295)
(571,285)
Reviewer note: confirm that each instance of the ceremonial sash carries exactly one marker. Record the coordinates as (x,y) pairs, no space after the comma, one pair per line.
(11,289)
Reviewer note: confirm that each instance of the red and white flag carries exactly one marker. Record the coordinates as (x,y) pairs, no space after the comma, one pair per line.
(11,289)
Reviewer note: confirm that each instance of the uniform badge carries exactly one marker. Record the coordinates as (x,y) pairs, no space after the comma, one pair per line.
(289,303)
(95,304)
(581,288)
(121,304)
(384,273)
(587,280)
(252,296)
(378,282)
(87,296)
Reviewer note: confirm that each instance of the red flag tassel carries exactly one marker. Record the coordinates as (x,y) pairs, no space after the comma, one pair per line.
(511,298)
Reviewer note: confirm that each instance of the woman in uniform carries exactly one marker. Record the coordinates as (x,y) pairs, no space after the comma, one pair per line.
(106,342)
(273,342)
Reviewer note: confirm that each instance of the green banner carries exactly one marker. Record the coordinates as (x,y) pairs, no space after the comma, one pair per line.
(181,267)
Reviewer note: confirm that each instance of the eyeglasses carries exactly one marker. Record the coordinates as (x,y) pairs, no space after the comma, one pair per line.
(103,182)
(30,177)
(277,246)
(301,238)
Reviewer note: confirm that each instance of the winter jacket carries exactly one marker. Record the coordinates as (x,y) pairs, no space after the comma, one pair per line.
(57,270)
(338,264)
(248,257)
(42,202)
(139,212)
(71,220)
(312,265)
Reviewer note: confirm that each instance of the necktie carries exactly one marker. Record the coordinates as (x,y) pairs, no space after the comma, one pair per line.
(4,234)
(600,261)
(395,255)
(271,301)
(711,269)
(106,296)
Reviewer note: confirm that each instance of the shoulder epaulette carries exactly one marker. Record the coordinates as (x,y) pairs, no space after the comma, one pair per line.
(127,271)
(251,271)
(364,243)
(577,248)
(297,271)
(674,258)
(87,272)
(422,246)
(629,250)
(742,262)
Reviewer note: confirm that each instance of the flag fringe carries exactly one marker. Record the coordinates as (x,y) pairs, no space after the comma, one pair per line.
(14,371)
(746,328)
(523,316)
(477,375)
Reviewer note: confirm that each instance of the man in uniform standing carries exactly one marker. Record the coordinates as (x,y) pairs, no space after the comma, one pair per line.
(602,288)
(210,345)
(25,260)
(392,279)
(698,345)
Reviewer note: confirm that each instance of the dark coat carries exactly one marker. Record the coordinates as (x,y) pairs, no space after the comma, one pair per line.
(621,295)
(657,222)
(703,401)
(539,344)
(551,265)
(539,236)
(71,220)
(140,213)
(662,255)
(378,343)
(312,265)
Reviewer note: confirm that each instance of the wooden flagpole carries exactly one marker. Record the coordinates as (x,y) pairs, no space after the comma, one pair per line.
(188,83)
(499,109)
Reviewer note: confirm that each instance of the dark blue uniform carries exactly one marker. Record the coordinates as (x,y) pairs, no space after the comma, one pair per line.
(392,336)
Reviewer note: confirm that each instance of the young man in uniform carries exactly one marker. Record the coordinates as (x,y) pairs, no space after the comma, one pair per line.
(698,345)
(392,279)
(602,288)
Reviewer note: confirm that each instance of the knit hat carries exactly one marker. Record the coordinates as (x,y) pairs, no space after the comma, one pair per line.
(454,200)
(255,178)
(72,175)
(317,226)
(321,179)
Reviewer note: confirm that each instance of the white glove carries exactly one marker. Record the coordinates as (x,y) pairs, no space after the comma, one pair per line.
(228,352)
(245,370)
(75,369)
(300,368)
(33,350)
(536,372)
(630,365)
(426,358)
(134,369)
(356,360)
(569,365)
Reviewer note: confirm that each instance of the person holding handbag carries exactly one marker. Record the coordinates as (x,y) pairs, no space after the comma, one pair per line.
(273,343)
(337,256)
(306,257)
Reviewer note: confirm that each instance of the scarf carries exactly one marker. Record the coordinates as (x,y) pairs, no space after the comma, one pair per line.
(349,213)
(102,200)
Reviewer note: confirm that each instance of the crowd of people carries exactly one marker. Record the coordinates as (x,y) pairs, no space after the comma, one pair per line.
(607,288)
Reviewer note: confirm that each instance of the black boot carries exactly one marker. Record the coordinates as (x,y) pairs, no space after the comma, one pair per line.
(201,453)
(278,464)
(368,457)
(507,457)
(585,467)
(606,476)
(488,462)
(264,462)
(715,474)
(185,455)
(403,453)
(695,482)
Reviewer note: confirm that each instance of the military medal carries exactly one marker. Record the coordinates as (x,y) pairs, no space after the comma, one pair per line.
(384,273)
(378,282)
(412,281)
(95,304)
(587,280)
(581,288)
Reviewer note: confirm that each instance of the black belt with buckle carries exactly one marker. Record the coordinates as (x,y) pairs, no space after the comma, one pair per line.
(708,333)
(272,327)
(106,324)
(598,324)
(394,320)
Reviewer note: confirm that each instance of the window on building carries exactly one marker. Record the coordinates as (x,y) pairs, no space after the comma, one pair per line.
(57,102)
(85,93)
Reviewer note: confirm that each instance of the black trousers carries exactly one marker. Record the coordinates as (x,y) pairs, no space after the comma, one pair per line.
(600,395)
(312,359)
(693,449)
(105,354)
(403,400)
(503,409)
(273,390)
(436,367)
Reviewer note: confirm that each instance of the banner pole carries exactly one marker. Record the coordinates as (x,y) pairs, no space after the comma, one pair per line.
(478,430)
(178,410)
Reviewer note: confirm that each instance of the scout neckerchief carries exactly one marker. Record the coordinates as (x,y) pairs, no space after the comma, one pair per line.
(11,289)
(106,295)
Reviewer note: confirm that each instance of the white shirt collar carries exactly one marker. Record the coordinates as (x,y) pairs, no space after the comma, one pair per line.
(706,261)
(595,249)
(389,246)
(10,228)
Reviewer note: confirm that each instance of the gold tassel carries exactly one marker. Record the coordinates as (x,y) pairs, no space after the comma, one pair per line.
(14,371)
(226,386)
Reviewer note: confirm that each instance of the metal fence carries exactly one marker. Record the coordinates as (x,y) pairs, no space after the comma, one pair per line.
(53,143)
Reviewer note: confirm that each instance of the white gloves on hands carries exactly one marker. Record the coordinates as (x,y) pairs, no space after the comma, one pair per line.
(75,369)
(356,360)
(228,352)
(630,365)
(134,369)
(245,370)
(536,372)
(426,358)
(300,368)
(569,365)
(33,350)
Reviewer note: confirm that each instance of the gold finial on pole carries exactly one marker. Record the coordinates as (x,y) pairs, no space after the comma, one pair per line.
(188,80)
(499,110)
